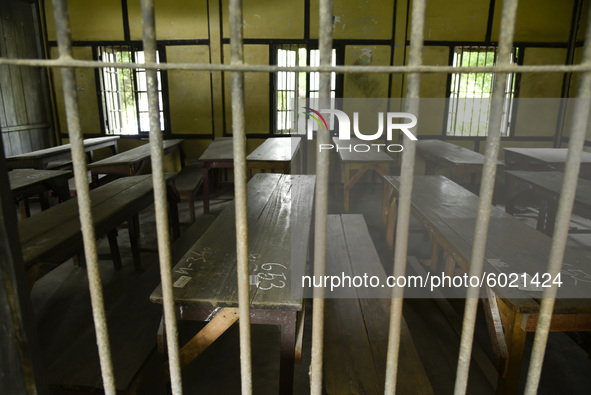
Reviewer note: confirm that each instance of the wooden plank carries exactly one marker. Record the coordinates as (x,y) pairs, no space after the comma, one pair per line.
(40,158)
(449,154)
(278,149)
(449,212)
(206,336)
(350,155)
(219,149)
(350,369)
(351,251)
(344,325)
(132,161)
(23,178)
(282,236)
(10,50)
(551,183)
(549,156)
(364,259)
(216,255)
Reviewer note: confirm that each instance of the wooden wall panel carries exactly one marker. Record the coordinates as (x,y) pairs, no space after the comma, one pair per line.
(25,120)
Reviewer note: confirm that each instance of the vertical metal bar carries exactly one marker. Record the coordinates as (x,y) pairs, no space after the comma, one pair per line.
(160,199)
(321,200)
(486,192)
(239,140)
(565,205)
(406,182)
(62,24)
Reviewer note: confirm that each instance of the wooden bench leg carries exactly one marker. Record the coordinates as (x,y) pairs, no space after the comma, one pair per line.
(133,227)
(161,337)
(300,334)
(32,274)
(115,255)
(23,206)
(515,338)
(495,327)
(287,359)
(391,225)
(173,218)
(80,259)
(434,256)
(205,171)
(191,201)
(450,265)
(44,200)
(346,188)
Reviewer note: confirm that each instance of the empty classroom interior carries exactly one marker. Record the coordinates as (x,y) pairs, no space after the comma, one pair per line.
(54,327)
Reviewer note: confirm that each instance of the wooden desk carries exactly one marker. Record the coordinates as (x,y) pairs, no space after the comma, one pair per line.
(54,236)
(544,159)
(132,162)
(546,185)
(41,159)
(219,155)
(275,154)
(205,279)
(361,163)
(457,160)
(25,183)
(449,213)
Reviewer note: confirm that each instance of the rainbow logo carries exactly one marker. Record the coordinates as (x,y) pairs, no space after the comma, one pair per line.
(315,114)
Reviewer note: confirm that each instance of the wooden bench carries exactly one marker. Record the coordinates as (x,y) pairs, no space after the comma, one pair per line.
(356,329)
(187,182)
(133,323)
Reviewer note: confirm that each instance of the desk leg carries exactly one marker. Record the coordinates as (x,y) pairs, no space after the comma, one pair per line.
(133,227)
(515,338)
(509,192)
(173,217)
(205,171)
(391,224)
(23,206)
(115,255)
(551,217)
(287,359)
(346,187)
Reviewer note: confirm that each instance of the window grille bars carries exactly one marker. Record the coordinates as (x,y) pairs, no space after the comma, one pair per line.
(413,69)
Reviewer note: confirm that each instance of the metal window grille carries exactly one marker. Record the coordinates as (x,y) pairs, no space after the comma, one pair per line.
(471,93)
(237,67)
(124,92)
(294,87)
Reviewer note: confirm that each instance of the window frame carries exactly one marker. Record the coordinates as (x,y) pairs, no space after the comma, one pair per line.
(511,92)
(338,52)
(134,49)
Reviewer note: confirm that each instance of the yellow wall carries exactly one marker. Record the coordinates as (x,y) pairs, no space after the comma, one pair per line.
(190,91)
(200,102)
(87,98)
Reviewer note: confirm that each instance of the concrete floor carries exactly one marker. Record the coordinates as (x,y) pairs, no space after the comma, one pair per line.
(62,309)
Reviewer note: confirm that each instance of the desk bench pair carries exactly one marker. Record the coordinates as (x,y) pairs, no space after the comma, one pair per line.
(54,235)
(449,213)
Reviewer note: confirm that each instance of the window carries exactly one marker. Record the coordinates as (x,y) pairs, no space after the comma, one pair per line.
(293,88)
(124,92)
(470,93)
